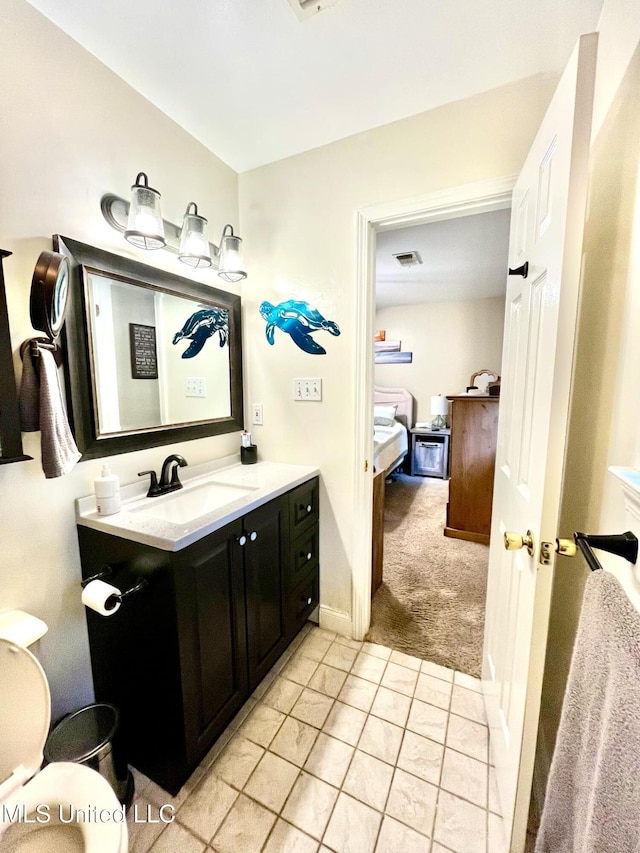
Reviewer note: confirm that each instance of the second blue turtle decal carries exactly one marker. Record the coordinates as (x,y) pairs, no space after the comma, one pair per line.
(202,325)
(299,320)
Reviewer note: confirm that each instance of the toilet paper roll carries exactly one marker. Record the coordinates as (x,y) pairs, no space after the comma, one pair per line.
(98,595)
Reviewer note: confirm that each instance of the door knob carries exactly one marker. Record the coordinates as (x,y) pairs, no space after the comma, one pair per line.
(513,541)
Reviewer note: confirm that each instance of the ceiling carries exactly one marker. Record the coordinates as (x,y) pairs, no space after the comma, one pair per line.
(463,258)
(255,84)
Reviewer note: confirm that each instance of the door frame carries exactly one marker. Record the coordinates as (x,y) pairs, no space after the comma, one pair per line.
(464,200)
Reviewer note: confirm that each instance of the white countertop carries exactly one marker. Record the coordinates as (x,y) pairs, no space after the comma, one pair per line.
(267,480)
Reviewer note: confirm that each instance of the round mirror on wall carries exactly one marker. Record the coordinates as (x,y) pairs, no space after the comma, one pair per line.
(49,289)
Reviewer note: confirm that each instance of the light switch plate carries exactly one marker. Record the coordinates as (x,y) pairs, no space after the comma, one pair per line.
(308,389)
(195,387)
(256,414)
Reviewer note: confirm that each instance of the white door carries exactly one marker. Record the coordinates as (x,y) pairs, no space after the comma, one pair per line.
(547,222)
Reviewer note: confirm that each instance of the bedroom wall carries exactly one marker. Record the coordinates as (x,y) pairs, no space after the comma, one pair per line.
(298,218)
(449,340)
(71,130)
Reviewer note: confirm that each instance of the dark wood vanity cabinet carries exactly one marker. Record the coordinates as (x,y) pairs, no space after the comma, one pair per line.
(265,555)
(180,658)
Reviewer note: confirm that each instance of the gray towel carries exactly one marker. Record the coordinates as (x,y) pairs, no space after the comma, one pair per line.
(592,803)
(41,407)
(29,397)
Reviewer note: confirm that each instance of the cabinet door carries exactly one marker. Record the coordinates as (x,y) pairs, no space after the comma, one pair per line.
(265,555)
(210,592)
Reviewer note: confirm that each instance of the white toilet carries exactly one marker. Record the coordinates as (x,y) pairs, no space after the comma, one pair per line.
(65,806)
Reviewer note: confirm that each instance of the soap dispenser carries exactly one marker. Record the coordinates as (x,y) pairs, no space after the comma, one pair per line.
(107,489)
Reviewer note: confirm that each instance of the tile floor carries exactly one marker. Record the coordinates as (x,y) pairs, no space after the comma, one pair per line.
(346,747)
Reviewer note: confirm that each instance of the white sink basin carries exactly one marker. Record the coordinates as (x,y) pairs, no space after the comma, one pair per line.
(191,503)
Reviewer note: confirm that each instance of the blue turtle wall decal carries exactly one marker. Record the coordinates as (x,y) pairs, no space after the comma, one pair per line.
(299,320)
(202,325)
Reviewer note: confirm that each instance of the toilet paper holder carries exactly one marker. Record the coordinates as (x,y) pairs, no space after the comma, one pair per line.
(140,584)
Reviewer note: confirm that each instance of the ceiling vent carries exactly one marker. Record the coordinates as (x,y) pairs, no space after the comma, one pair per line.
(408,259)
(307,8)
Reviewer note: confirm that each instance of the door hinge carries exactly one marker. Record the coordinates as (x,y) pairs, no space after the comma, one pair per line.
(366,465)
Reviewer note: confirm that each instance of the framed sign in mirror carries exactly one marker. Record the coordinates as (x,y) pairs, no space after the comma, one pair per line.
(151,357)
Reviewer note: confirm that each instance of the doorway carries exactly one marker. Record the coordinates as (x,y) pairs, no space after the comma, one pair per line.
(440,296)
(462,201)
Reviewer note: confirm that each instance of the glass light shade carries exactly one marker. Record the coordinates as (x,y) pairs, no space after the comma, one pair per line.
(231,265)
(194,239)
(145,228)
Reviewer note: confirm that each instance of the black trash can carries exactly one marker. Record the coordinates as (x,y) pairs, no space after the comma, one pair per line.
(90,736)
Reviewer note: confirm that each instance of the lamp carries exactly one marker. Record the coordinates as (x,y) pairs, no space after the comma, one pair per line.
(230,263)
(145,228)
(142,224)
(194,240)
(439,408)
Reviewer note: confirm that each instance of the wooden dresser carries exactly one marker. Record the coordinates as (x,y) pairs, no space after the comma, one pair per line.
(474,426)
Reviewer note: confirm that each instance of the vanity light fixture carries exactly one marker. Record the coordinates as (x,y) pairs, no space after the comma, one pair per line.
(230,264)
(194,240)
(142,225)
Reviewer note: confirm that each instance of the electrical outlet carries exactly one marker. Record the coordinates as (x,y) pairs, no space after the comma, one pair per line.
(195,387)
(307,389)
(257,413)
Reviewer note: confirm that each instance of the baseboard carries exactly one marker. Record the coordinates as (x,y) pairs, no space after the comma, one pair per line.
(336,620)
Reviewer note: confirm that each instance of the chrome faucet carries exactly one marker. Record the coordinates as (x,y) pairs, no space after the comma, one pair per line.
(169,480)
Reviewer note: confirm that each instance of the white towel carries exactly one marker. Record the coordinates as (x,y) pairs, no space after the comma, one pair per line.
(592,803)
(41,407)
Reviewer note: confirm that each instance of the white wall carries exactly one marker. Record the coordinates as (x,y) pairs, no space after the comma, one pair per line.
(450,341)
(70,130)
(298,218)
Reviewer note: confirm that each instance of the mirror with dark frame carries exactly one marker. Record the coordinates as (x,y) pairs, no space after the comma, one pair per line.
(10,436)
(151,357)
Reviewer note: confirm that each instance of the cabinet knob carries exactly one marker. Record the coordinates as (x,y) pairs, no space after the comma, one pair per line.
(309,555)
(308,601)
(242,540)
(253,536)
(308,507)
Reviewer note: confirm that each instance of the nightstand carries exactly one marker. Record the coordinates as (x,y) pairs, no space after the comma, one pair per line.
(430,452)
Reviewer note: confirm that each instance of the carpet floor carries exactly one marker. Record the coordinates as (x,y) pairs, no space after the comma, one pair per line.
(432,599)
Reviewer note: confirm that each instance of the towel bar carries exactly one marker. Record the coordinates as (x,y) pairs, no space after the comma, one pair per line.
(621,544)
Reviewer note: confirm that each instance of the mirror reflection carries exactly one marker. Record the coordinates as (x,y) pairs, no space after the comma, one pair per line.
(158,358)
(150,357)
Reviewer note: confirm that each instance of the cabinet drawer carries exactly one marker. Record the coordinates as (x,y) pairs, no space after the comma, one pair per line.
(301,602)
(304,506)
(303,557)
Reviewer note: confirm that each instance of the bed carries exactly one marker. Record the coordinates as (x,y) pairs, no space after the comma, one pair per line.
(390,446)
(393,417)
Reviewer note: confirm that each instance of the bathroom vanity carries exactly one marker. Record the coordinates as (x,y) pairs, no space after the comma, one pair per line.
(227,591)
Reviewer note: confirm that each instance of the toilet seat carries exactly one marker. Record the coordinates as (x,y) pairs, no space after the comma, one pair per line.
(73,787)
(25,714)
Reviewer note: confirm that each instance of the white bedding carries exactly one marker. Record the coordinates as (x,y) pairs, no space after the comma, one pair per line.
(390,444)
